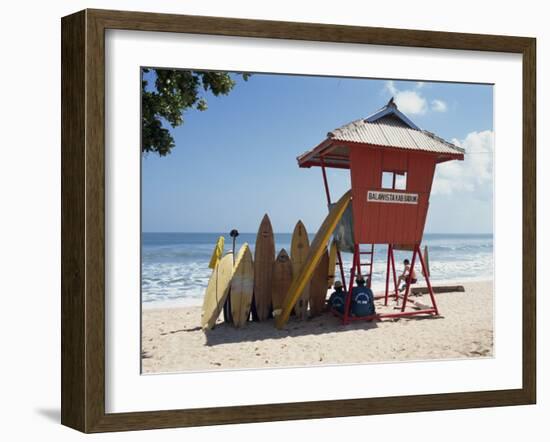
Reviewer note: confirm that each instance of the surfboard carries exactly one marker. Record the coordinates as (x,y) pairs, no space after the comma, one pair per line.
(299,248)
(282,278)
(216,292)
(264,254)
(333,254)
(242,286)
(426,261)
(300,280)
(217,253)
(318,286)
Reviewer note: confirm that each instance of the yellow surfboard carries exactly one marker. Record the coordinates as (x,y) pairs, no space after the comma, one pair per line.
(316,250)
(332,263)
(242,286)
(217,253)
(216,292)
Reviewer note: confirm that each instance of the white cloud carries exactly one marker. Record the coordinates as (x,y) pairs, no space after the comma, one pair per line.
(474,174)
(390,86)
(439,106)
(408,101)
(412,101)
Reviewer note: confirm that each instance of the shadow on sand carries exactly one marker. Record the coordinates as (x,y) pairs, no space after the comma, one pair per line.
(257,331)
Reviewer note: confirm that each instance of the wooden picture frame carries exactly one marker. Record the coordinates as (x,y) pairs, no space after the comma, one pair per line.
(83,220)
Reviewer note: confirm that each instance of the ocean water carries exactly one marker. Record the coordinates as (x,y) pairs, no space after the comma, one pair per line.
(174,266)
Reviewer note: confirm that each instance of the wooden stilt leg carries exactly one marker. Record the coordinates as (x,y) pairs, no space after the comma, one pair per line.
(341,265)
(387,276)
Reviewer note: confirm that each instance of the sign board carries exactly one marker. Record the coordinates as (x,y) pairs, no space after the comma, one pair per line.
(377,196)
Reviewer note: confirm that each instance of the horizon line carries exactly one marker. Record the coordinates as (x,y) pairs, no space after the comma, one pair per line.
(310,233)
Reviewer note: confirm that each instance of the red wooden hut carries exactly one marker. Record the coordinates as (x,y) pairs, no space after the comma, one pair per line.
(392,164)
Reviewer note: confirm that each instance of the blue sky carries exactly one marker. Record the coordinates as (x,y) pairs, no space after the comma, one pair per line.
(237,160)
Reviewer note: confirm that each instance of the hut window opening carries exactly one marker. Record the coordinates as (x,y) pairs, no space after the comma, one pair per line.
(394,180)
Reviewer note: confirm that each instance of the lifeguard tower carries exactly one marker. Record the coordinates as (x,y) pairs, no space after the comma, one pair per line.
(392,164)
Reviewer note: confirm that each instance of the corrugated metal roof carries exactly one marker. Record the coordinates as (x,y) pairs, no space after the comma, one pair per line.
(388,127)
(390,110)
(386,133)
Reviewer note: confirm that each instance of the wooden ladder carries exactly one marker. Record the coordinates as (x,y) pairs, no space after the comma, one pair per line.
(367,264)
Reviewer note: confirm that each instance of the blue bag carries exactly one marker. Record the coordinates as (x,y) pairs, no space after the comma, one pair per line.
(362,302)
(338,301)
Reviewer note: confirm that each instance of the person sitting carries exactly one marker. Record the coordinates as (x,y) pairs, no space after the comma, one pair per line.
(337,299)
(407,270)
(362,299)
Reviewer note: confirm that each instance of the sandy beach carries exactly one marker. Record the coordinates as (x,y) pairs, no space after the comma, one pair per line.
(172,339)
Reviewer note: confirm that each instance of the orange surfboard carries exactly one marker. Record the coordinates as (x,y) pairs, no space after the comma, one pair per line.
(318,287)
(282,278)
(264,254)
